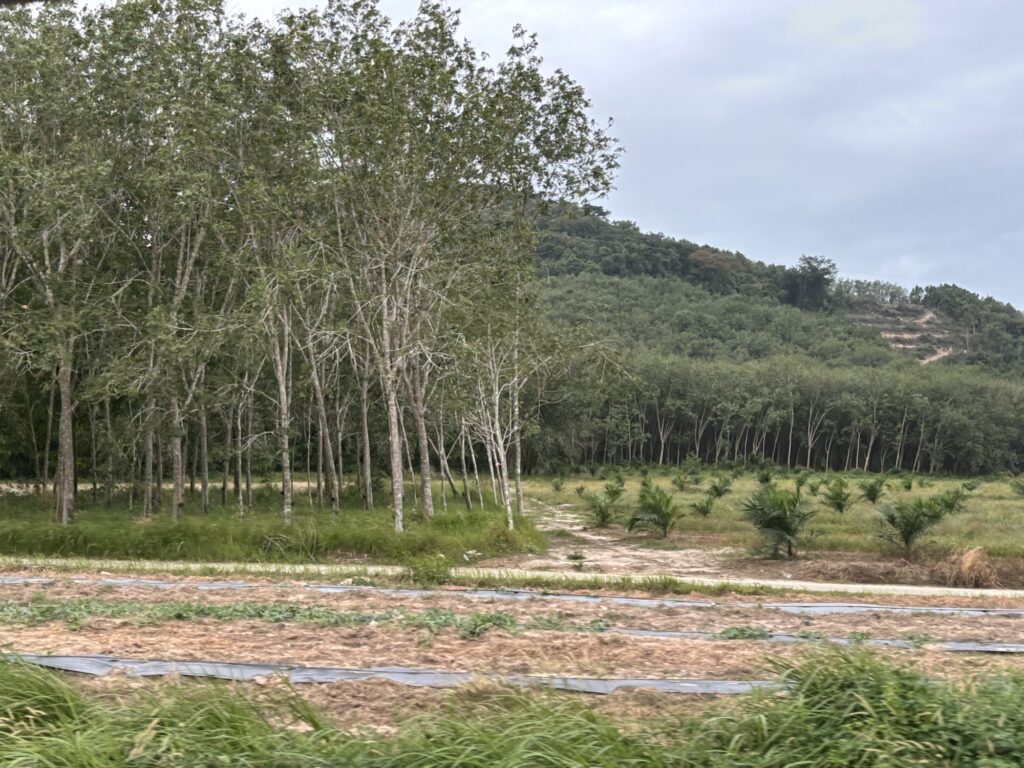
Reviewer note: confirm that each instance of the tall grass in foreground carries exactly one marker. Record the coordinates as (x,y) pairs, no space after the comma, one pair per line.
(841,710)
(27,529)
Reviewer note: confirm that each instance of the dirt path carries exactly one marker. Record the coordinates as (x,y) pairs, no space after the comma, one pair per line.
(941,354)
(598,551)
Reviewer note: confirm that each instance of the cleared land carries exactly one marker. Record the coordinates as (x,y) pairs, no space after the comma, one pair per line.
(720,636)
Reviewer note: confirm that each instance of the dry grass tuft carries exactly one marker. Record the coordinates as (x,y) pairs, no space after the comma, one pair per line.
(970,568)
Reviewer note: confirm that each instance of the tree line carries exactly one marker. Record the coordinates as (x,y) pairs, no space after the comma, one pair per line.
(233,245)
(791,411)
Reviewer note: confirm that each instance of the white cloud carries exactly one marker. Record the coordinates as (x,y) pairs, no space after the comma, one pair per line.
(859,23)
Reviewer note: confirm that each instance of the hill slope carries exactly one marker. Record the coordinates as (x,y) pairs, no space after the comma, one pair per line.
(682,297)
(709,354)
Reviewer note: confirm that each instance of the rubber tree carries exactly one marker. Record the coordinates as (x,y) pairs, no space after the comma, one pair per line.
(55,201)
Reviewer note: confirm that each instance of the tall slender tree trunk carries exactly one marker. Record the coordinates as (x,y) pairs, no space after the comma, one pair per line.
(364,441)
(476,475)
(465,475)
(204,460)
(177,464)
(418,408)
(395,442)
(95,463)
(110,452)
(49,431)
(228,429)
(326,461)
(66,437)
(238,461)
(147,470)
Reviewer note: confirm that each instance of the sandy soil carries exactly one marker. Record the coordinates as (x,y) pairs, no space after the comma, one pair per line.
(723,616)
(529,653)
(540,653)
(604,552)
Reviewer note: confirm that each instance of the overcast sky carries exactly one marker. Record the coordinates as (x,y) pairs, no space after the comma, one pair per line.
(885,134)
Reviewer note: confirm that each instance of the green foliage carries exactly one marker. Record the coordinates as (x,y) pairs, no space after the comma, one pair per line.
(704,506)
(905,522)
(837,496)
(604,506)
(764,475)
(601,509)
(801,481)
(841,708)
(679,482)
(429,570)
(613,491)
(655,509)
(259,537)
(872,490)
(1017,486)
(719,487)
(744,633)
(779,516)
(950,501)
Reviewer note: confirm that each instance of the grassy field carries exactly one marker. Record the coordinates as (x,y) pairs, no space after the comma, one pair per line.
(990,519)
(315,535)
(840,709)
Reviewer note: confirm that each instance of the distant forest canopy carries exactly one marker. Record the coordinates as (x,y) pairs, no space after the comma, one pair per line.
(707,353)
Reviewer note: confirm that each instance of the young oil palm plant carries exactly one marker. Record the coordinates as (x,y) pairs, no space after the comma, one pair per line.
(872,490)
(906,522)
(656,509)
(719,487)
(837,496)
(779,516)
(704,506)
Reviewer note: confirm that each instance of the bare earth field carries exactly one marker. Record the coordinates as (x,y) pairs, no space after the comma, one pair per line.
(569,650)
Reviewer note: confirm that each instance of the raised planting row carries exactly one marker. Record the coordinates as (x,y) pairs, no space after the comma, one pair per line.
(77,612)
(810,608)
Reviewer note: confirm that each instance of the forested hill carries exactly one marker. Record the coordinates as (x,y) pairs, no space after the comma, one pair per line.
(675,295)
(696,351)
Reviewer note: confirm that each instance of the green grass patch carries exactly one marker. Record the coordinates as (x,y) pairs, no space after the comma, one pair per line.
(990,517)
(842,708)
(75,613)
(261,536)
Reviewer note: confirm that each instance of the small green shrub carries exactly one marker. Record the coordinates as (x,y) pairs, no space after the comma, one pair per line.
(429,570)
(744,633)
